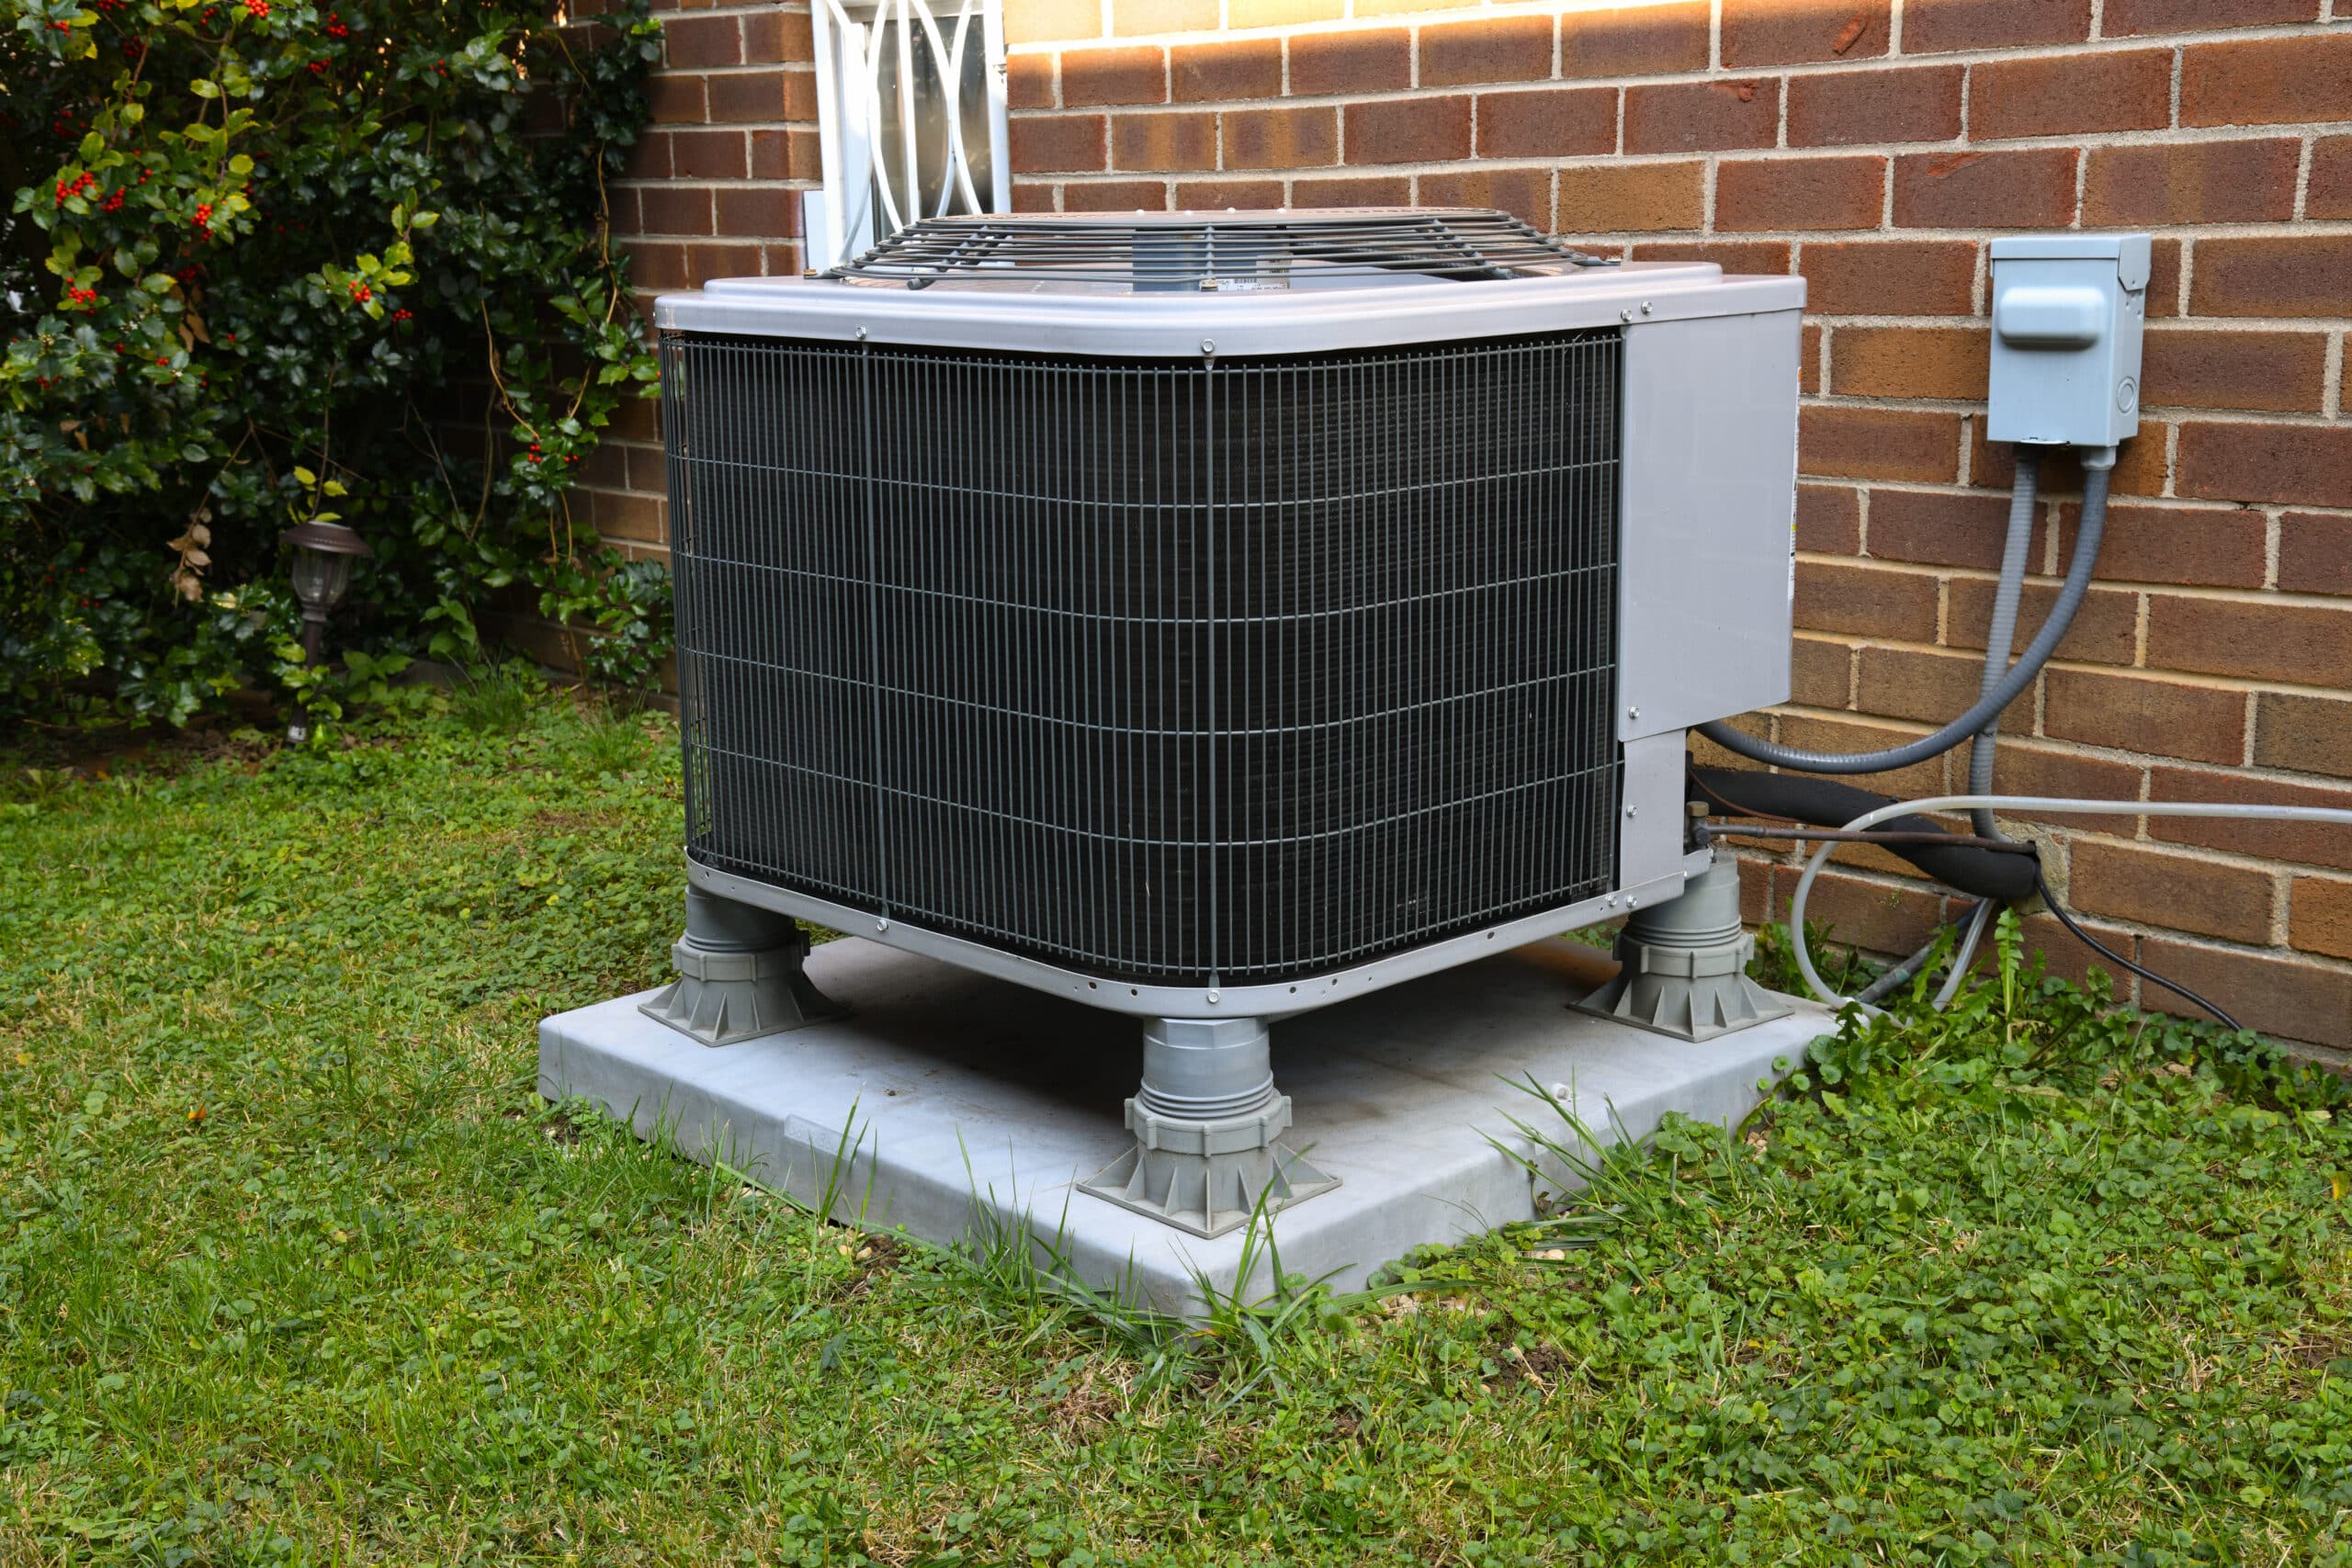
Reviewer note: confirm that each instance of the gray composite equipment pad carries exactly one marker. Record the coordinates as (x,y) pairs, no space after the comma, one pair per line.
(955,1090)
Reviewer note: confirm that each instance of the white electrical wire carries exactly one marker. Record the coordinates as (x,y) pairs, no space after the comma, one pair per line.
(1977,923)
(2021,806)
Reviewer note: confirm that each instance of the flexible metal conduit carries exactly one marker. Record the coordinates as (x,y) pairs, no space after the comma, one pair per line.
(2002,633)
(2000,636)
(2097,469)
(2025,805)
(2000,686)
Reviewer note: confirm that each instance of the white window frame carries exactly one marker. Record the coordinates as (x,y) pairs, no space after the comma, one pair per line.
(840,221)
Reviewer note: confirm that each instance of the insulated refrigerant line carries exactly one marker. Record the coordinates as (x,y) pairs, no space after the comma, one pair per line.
(2033,805)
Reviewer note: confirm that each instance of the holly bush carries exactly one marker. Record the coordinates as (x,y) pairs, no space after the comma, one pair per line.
(271,261)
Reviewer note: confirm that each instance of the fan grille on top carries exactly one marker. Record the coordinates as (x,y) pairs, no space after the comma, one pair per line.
(1185,252)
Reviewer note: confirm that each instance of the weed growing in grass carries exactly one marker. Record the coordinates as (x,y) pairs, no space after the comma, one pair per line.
(1031,1271)
(1563,1154)
(295,1266)
(611,745)
(1846,969)
(496,699)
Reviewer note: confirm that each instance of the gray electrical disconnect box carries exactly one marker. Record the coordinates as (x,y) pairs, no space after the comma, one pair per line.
(2067,314)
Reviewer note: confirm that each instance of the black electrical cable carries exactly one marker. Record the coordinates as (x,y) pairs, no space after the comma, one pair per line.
(2097,946)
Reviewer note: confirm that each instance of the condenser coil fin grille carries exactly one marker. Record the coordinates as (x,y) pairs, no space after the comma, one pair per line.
(1178,673)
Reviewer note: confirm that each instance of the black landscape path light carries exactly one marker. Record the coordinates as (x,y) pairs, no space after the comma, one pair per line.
(322,556)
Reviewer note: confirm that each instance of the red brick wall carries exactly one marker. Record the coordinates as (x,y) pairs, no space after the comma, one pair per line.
(1872,146)
(711,191)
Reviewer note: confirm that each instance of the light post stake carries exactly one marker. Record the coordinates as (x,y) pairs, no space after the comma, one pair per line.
(322,556)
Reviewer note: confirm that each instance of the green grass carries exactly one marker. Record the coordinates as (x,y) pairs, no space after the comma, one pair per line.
(295,1268)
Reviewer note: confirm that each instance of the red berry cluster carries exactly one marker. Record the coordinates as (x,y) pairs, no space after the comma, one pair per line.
(403,314)
(535,452)
(203,220)
(68,189)
(335,28)
(114,202)
(318,68)
(258,9)
(360,291)
(80,296)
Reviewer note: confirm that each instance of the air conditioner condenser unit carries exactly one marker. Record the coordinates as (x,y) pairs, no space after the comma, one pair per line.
(1209,617)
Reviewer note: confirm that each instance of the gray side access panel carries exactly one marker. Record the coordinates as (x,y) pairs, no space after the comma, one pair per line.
(1709,573)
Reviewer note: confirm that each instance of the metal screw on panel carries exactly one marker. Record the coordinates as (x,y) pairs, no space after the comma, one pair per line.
(1633,811)
(1212,996)
(1625,315)
(861,335)
(1208,346)
(1645,306)
(1633,713)
(882,925)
